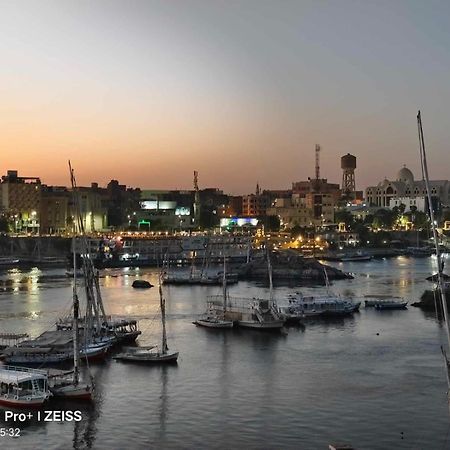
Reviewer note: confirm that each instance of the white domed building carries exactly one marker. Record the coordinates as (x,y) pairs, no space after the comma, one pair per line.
(405,190)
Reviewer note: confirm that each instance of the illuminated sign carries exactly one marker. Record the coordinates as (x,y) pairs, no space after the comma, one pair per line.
(182,211)
(155,205)
(238,222)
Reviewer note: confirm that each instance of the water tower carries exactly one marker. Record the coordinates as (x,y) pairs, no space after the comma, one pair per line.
(348,165)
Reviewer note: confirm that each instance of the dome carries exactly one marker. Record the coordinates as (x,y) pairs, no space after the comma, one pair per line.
(405,175)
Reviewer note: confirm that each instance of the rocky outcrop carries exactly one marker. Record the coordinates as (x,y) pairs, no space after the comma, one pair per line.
(431,298)
(289,265)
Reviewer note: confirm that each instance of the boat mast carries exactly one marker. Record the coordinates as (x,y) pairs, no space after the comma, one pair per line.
(327,281)
(76,304)
(269,269)
(423,159)
(224,286)
(94,303)
(162,304)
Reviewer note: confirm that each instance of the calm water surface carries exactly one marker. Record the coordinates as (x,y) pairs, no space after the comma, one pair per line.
(375,380)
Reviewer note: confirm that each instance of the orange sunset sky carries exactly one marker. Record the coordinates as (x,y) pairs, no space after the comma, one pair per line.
(148,91)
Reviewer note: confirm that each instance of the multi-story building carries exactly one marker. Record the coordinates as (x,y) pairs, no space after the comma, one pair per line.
(56,202)
(21,202)
(302,188)
(122,202)
(386,193)
(232,208)
(94,208)
(292,212)
(255,205)
(322,207)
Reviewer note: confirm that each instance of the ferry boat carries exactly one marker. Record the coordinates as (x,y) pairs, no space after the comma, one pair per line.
(328,305)
(21,387)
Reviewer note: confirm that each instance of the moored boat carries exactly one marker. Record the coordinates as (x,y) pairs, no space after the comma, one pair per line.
(391,304)
(213,322)
(22,387)
(357,256)
(214,318)
(152,355)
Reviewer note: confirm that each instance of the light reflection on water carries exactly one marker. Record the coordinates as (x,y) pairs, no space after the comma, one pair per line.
(364,380)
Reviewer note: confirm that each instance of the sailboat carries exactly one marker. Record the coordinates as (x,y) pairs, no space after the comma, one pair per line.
(263,314)
(100,332)
(196,276)
(214,319)
(149,354)
(440,278)
(68,385)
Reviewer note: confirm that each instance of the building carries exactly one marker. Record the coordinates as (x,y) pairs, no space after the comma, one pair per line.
(56,203)
(255,205)
(164,210)
(94,208)
(292,212)
(322,207)
(302,188)
(122,202)
(232,208)
(21,202)
(387,194)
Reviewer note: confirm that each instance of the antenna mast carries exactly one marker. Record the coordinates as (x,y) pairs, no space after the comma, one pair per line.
(317,162)
(196,200)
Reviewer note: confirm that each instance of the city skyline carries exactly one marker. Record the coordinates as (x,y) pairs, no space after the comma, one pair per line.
(148,92)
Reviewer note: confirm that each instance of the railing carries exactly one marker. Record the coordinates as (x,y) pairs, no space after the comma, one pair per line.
(23,369)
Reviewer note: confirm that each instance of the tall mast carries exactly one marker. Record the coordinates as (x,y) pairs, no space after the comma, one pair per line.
(162,304)
(94,303)
(196,201)
(76,304)
(269,269)
(423,159)
(224,285)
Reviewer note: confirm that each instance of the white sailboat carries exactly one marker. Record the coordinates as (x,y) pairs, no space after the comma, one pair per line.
(263,314)
(152,355)
(69,385)
(214,319)
(440,278)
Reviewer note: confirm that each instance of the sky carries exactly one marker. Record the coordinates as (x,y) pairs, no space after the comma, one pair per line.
(148,91)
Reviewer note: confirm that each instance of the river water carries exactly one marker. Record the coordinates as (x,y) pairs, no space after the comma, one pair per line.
(375,380)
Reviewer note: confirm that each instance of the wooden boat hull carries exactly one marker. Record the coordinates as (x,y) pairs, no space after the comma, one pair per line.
(37,359)
(80,392)
(273,325)
(18,403)
(129,337)
(214,324)
(154,358)
(381,307)
(355,258)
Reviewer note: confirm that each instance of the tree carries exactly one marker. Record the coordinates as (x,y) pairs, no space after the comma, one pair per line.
(272,223)
(4,224)
(346,217)
(385,218)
